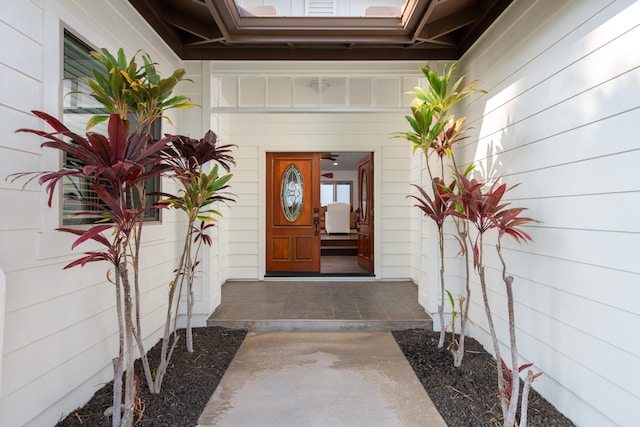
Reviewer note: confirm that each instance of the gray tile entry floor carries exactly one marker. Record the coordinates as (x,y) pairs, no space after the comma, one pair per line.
(324,305)
(343,265)
(320,379)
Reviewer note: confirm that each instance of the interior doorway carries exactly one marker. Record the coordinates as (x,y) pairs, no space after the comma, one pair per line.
(332,195)
(341,182)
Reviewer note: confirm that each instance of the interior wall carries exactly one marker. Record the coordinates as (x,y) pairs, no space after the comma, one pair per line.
(560,118)
(69,315)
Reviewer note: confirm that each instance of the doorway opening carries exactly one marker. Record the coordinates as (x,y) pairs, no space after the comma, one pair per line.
(340,184)
(332,231)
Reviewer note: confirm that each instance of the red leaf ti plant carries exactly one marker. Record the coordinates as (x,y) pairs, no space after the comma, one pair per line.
(200,193)
(437,209)
(113,164)
(484,208)
(434,130)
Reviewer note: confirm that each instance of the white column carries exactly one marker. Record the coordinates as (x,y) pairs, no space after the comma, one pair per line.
(2,304)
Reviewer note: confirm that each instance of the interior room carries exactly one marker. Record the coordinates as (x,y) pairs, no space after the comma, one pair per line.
(339,240)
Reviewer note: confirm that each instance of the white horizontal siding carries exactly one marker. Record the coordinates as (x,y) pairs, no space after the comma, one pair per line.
(220,124)
(9,119)
(394,210)
(79,335)
(559,118)
(415,173)
(20,53)
(20,91)
(25,20)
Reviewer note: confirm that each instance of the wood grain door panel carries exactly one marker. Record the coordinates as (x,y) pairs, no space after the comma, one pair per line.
(365,196)
(293,245)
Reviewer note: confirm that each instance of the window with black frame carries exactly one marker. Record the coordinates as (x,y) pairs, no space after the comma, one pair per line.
(78,108)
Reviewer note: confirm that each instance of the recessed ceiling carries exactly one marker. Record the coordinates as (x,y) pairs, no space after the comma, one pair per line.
(347,161)
(219,30)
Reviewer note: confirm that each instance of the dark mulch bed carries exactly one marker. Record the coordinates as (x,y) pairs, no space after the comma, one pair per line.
(186,388)
(465,397)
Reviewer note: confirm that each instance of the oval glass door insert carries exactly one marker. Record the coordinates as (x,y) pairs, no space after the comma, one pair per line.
(363,194)
(292,193)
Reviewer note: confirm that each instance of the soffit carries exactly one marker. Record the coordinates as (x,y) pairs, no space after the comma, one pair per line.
(216,30)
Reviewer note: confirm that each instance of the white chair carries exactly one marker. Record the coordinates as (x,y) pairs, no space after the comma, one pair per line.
(337,219)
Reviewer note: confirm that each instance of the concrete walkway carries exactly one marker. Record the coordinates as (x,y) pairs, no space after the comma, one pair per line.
(328,379)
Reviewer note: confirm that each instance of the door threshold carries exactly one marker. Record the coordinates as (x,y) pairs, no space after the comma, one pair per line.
(303,274)
(320,279)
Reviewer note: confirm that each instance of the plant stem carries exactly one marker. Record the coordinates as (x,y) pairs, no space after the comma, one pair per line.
(492,330)
(118,362)
(183,268)
(515,381)
(189,334)
(130,389)
(135,258)
(442,287)
(189,274)
(165,353)
(175,289)
(524,404)
(463,233)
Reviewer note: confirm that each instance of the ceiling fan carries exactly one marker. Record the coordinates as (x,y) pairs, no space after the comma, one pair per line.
(329,156)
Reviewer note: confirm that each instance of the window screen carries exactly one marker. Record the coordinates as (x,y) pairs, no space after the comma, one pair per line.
(78,108)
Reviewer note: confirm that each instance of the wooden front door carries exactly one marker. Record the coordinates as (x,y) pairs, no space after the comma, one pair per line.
(365,197)
(293,204)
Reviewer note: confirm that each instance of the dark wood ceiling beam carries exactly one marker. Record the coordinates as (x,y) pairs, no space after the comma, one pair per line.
(424,17)
(260,53)
(191,25)
(413,9)
(204,42)
(445,40)
(316,39)
(148,9)
(430,45)
(217,18)
(491,10)
(436,29)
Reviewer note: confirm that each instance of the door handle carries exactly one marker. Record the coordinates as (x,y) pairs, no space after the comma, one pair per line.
(316,221)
